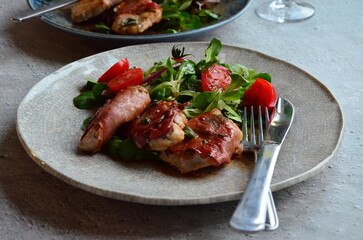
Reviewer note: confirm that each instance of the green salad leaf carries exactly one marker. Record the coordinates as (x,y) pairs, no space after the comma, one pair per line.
(85,100)
(92,97)
(179,80)
(182,15)
(182,83)
(127,150)
(86,122)
(214,48)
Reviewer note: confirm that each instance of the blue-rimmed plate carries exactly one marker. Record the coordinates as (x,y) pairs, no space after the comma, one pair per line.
(229,10)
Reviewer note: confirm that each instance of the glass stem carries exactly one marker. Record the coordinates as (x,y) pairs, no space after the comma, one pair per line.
(286,3)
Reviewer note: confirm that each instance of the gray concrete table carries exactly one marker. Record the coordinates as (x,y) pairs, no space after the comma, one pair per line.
(36,205)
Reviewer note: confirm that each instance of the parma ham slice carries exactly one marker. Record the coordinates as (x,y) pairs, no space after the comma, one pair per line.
(159,127)
(124,107)
(216,139)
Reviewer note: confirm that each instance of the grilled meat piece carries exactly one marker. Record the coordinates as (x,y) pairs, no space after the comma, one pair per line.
(159,127)
(135,16)
(124,107)
(217,140)
(87,9)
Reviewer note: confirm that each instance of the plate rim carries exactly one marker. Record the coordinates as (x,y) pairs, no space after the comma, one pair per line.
(216,198)
(142,38)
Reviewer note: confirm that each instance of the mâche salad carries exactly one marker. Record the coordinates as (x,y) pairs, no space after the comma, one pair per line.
(183,112)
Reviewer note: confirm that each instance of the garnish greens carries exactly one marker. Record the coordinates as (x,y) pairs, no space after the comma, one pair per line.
(130,22)
(178,16)
(182,83)
(127,150)
(92,95)
(178,53)
(182,15)
(103,28)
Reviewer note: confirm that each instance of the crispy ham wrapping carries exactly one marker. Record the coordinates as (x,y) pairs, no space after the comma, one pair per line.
(135,16)
(124,107)
(132,16)
(218,138)
(84,10)
(159,127)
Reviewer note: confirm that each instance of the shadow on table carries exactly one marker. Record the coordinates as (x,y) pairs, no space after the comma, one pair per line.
(43,200)
(37,39)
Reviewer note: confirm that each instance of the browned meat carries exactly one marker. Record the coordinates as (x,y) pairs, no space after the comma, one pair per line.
(135,16)
(159,127)
(87,9)
(217,140)
(124,107)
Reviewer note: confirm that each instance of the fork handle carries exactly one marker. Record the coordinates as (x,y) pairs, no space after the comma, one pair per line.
(37,12)
(272,219)
(250,214)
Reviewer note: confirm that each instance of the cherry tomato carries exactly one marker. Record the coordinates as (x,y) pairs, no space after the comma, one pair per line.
(118,68)
(216,77)
(131,77)
(261,93)
(178,59)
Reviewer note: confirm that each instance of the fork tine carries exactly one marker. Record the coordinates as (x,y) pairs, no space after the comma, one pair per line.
(248,130)
(280,105)
(244,125)
(260,126)
(267,120)
(267,117)
(252,127)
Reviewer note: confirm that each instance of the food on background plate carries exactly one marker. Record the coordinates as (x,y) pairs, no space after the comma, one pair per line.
(133,17)
(172,114)
(84,10)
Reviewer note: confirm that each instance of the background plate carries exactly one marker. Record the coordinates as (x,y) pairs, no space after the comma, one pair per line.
(229,9)
(48,126)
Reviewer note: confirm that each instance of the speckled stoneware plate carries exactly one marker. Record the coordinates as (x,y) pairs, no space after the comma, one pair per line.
(229,10)
(49,128)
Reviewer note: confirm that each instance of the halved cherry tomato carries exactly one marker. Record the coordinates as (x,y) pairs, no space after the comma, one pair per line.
(178,59)
(261,93)
(118,68)
(131,77)
(216,77)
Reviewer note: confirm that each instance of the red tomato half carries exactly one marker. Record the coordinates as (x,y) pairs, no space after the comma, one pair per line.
(131,77)
(178,59)
(216,77)
(118,68)
(261,93)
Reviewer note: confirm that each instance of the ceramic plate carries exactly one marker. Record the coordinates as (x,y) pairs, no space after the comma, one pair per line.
(49,128)
(229,10)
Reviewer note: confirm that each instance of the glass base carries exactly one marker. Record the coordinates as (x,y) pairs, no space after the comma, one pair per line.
(285,11)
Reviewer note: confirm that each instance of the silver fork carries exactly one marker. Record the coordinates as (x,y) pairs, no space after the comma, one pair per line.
(37,12)
(250,143)
(250,214)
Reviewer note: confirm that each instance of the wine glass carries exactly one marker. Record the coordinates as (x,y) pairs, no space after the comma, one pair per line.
(285,11)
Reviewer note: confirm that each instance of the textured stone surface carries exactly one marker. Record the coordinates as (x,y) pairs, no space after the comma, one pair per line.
(36,205)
